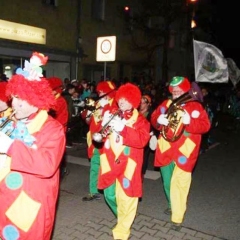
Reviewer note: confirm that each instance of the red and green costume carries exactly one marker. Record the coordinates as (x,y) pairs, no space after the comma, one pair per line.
(94,148)
(120,170)
(177,159)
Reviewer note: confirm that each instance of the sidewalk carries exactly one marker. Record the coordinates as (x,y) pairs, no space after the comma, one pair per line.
(77,220)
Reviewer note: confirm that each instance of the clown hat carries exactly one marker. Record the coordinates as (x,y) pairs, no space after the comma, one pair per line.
(130,92)
(3,97)
(30,85)
(181,82)
(56,84)
(106,87)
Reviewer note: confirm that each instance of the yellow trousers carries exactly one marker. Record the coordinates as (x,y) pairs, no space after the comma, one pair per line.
(126,212)
(180,185)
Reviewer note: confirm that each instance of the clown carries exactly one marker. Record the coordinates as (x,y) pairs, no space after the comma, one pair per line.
(106,92)
(60,113)
(29,174)
(60,110)
(122,157)
(178,158)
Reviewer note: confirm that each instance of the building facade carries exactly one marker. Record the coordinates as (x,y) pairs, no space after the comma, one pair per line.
(70,33)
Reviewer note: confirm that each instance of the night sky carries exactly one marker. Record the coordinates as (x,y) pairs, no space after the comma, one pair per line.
(224,24)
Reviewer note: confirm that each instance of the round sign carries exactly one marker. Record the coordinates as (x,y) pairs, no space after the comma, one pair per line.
(106,46)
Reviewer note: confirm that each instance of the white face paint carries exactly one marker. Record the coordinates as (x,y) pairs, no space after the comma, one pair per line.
(3,106)
(177,92)
(124,105)
(22,108)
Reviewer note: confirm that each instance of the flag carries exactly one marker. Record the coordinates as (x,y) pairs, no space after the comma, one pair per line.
(210,65)
(234,72)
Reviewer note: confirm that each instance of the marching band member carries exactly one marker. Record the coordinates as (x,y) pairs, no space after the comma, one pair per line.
(177,159)
(122,157)
(29,175)
(106,93)
(60,113)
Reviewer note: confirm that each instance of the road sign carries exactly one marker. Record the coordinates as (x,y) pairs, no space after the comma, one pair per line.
(106,49)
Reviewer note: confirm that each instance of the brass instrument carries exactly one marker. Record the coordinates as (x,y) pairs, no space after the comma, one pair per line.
(5,122)
(90,104)
(173,115)
(99,136)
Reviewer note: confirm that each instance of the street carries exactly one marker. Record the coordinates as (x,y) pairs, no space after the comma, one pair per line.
(213,204)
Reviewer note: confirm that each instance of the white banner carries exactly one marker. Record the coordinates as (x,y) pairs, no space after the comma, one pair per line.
(210,65)
(234,72)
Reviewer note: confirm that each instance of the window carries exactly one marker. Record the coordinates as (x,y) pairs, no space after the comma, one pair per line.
(98,9)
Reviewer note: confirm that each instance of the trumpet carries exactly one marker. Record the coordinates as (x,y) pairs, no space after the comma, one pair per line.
(90,104)
(5,122)
(106,130)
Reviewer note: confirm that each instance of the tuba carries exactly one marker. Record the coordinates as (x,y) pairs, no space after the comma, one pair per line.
(173,112)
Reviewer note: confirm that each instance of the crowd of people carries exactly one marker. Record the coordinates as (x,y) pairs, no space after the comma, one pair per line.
(122,124)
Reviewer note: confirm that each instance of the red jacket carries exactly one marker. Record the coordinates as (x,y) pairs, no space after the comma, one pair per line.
(29,185)
(122,156)
(184,152)
(60,111)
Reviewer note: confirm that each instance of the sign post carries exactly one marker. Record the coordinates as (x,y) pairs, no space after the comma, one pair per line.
(106,50)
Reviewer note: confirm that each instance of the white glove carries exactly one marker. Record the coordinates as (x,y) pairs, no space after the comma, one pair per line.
(88,116)
(162,120)
(5,142)
(186,117)
(103,102)
(3,158)
(81,104)
(117,124)
(153,142)
(106,117)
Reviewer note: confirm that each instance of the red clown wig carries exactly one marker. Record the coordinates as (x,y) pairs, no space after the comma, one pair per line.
(131,93)
(30,85)
(106,87)
(3,97)
(56,84)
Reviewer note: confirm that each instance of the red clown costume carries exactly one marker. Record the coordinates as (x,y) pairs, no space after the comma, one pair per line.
(60,109)
(29,175)
(177,157)
(106,92)
(122,158)
(5,109)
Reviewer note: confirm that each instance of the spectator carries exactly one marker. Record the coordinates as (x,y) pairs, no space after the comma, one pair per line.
(146,110)
(86,92)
